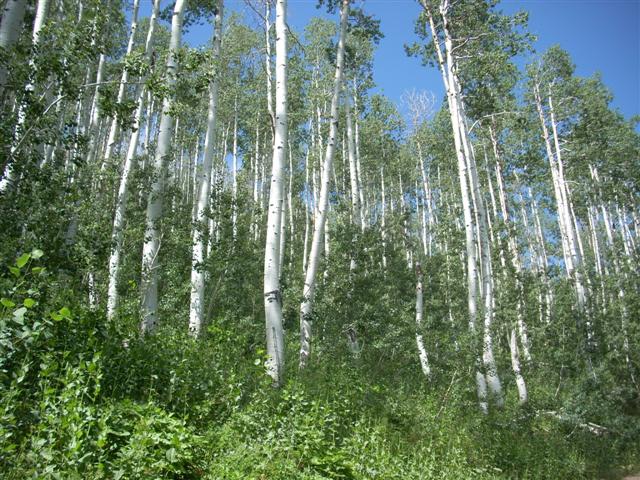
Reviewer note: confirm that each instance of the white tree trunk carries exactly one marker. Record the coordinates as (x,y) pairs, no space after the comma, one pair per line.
(124,79)
(422,351)
(117,232)
(10,27)
(476,235)
(203,190)
(356,213)
(513,249)
(383,229)
(515,363)
(307,221)
(151,245)
(29,89)
(290,206)
(234,174)
(272,264)
(306,306)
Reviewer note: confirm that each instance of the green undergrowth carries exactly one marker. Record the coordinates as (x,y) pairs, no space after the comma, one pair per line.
(84,399)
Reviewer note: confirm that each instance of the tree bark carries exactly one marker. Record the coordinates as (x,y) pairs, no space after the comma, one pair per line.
(422,351)
(203,190)
(114,127)
(272,264)
(151,246)
(306,307)
(10,28)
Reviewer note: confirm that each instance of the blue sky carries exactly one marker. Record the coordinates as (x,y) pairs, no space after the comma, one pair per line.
(600,35)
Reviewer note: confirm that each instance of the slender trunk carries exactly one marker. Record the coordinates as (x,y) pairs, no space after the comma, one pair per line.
(513,249)
(10,27)
(256,181)
(422,351)
(267,61)
(94,114)
(203,190)
(306,306)
(290,206)
(356,132)
(476,235)
(307,205)
(124,79)
(117,232)
(151,247)
(272,264)
(283,230)
(515,363)
(383,225)
(29,89)
(353,177)
(234,174)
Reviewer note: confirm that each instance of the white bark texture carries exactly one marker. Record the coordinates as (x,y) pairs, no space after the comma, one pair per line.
(203,190)
(117,232)
(9,172)
(476,226)
(306,307)
(272,264)
(113,129)
(422,351)
(151,245)
(10,27)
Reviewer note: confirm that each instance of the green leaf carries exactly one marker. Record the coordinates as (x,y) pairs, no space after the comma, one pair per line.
(29,302)
(37,270)
(15,271)
(36,253)
(7,303)
(56,316)
(65,313)
(23,259)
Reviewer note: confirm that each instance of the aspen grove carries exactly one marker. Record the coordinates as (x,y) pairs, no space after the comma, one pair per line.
(242,261)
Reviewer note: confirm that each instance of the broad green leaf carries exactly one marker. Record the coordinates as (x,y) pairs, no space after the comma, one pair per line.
(37,253)
(15,271)
(7,303)
(29,302)
(23,259)
(65,313)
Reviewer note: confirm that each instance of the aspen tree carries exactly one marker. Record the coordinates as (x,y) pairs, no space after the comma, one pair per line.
(10,26)
(306,307)
(9,172)
(124,79)
(356,213)
(422,351)
(152,237)
(203,189)
(117,232)
(479,282)
(272,258)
